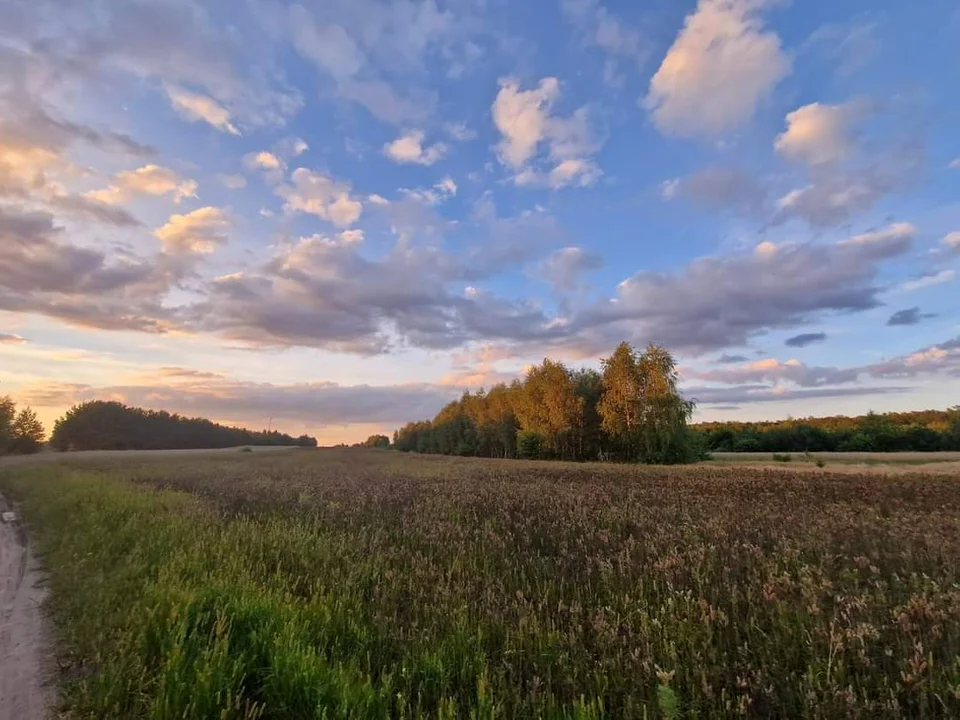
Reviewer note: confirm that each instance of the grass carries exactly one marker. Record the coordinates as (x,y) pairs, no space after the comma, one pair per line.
(370,584)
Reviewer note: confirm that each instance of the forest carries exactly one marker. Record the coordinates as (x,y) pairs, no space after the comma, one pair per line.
(102,425)
(921,431)
(629,411)
(20,431)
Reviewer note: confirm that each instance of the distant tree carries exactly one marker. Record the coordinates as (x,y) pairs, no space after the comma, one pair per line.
(8,413)
(101,425)
(27,432)
(377,441)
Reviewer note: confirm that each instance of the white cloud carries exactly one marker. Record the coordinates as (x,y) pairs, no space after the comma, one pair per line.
(896,233)
(147,180)
(524,120)
(521,117)
(720,67)
(11,339)
(670,188)
(317,194)
(955,165)
(951,241)
(443,190)
(819,134)
(263,160)
(408,148)
(944,276)
(201,108)
(232,182)
(198,232)
(459,131)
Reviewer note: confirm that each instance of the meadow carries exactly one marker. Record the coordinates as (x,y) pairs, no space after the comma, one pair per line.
(364,583)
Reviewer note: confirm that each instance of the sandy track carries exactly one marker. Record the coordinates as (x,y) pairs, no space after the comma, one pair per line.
(24,692)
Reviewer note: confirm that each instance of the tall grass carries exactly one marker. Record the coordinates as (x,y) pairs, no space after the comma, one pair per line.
(351,584)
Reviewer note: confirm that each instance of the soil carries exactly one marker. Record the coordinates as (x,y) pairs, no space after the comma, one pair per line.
(25,693)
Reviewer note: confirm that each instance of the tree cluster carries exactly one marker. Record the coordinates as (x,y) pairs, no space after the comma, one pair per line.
(630,411)
(923,431)
(20,432)
(101,425)
(375,441)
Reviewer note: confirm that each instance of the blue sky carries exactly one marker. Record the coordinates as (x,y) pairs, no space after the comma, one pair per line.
(337,216)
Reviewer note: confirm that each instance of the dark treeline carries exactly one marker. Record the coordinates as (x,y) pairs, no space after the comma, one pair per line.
(631,411)
(20,431)
(923,431)
(101,425)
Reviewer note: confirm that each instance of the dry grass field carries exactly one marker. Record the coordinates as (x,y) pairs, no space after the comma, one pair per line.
(350,583)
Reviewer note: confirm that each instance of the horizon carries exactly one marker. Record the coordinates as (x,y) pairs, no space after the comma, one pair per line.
(335,218)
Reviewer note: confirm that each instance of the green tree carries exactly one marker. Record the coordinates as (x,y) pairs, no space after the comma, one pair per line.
(641,409)
(550,407)
(377,441)
(8,413)
(27,432)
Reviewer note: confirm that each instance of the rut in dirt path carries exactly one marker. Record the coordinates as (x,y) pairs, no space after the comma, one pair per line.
(25,693)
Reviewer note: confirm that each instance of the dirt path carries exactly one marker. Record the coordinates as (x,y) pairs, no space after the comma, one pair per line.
(24,694)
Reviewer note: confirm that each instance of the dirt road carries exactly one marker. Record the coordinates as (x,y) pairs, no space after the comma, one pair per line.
(24,692)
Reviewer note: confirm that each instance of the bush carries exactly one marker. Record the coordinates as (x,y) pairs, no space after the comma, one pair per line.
(528,445)
(782,458)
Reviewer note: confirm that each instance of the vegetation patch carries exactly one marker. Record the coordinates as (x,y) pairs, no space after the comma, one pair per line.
(358,583)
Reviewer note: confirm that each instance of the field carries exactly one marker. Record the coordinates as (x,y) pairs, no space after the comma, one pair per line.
(349,583)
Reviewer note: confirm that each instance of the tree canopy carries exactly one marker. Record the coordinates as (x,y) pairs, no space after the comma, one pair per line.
(632,411)
(20,432)
(921,431)
(102,425)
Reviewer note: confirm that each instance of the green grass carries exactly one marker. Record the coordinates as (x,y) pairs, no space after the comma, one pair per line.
(353,584)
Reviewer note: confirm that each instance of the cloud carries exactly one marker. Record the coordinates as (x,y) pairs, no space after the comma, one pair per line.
(804,339)
(10,339)
(147,180)
(718,70)
(564,268)
(200,108)
(747,394)
(600,28)
(819,134)
(232,182)
(320,195)
(720,302)
(943,358)
(838,194)
(910,316)
(928,280)
(315,404)
(524,120)
(440,192)
(719,188)
(730,359)
(263,160)
(370,48)
(954,164)
(199,232)
(951,242)
(41,272)
(321,292)
(408,148)
(774,371)
(459,131)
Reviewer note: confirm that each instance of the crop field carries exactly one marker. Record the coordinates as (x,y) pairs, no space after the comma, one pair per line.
(351,583)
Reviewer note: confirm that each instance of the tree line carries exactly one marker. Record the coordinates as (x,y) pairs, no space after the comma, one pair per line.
(21,432)
(922,431)
(103,425)
(629,411)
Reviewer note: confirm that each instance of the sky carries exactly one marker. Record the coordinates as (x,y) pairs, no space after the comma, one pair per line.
(334,217)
